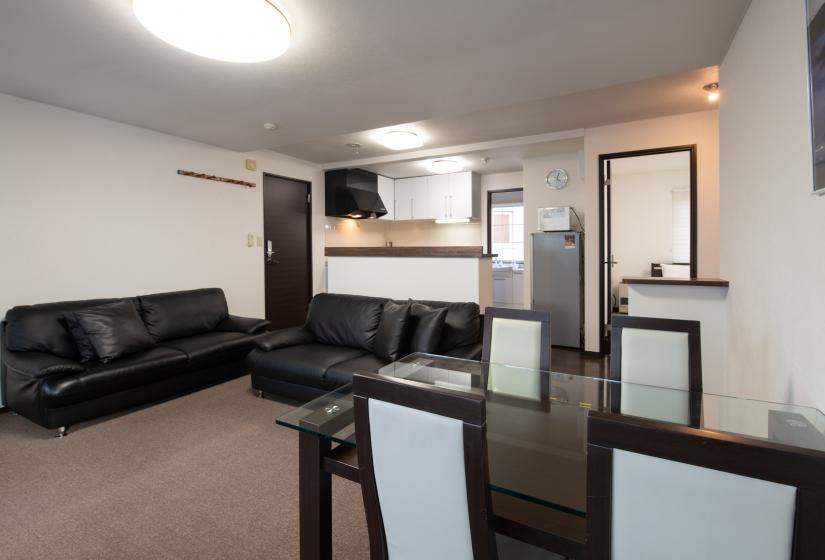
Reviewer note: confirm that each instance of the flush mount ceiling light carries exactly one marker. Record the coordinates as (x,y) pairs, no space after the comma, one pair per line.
(228,30)
(401,140)
(444,166)
(713,91)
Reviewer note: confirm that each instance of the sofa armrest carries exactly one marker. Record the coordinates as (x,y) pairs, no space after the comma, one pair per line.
(247,325)
(292,336)
(467,352)
(38,365)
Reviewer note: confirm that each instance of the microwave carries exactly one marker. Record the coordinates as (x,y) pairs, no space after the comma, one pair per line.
(556,218)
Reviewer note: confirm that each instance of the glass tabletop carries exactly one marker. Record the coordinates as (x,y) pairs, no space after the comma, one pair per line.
(537,420)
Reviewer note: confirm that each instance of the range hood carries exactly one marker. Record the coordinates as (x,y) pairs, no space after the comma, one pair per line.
(353,193)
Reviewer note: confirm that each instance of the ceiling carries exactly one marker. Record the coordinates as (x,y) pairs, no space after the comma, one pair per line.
(356,65)
(499,160)
(674,161)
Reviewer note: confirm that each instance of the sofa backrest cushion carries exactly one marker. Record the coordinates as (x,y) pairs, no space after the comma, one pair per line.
(176,314)
(345,320)
(40,328)
(462,325)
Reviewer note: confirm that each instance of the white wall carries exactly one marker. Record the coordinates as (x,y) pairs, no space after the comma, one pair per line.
(691,128)
(772,227)
(93,208)
(641,207)
(538,195)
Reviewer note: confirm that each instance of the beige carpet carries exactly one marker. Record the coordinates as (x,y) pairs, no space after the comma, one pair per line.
(207,475)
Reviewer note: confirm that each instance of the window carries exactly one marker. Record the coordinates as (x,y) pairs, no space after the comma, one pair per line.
(508,232)
(681,226)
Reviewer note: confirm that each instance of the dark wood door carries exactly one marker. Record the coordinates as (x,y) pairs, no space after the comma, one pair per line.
(288,235)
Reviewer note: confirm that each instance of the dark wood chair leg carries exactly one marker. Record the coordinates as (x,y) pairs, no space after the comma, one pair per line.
(315,498)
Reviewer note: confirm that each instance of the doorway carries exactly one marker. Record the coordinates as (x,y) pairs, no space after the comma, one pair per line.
(647,217)
(505,239)
(287,250)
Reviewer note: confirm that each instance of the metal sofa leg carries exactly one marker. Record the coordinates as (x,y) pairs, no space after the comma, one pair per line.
(61,431)
(260,394)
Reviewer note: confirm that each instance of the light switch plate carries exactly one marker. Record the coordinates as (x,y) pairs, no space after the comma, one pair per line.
(251,165)
(250,240)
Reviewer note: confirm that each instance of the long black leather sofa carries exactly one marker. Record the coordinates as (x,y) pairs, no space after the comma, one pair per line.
(127,352)
(345,333)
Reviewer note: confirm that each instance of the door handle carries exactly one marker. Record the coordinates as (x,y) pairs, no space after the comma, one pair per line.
(270,252)
(411,209)
(451,206)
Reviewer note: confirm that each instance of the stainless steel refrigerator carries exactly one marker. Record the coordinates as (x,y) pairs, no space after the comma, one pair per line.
(558,284)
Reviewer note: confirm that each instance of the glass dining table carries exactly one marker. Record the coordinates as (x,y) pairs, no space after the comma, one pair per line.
(536,436)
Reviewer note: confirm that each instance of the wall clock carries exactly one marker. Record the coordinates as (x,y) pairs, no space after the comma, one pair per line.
(556,179)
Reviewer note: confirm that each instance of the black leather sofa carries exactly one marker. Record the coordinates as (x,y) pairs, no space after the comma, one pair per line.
(159,345)
(345,333)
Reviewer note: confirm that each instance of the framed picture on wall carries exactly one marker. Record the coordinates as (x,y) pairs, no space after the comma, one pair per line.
(816,60)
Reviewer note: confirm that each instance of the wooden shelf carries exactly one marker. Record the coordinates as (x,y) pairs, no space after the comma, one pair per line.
(677,281)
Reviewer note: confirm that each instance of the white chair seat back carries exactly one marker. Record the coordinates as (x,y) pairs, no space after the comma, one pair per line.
(515,343)
(418,460)
(666,509)
(659,358)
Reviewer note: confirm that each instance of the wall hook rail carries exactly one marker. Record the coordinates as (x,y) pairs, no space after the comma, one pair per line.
(246,184)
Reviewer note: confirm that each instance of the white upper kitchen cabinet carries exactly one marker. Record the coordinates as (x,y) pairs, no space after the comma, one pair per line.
(411,199)
(386,190)
(438,194)
(464,195)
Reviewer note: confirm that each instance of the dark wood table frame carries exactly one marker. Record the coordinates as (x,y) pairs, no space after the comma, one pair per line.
(538,525)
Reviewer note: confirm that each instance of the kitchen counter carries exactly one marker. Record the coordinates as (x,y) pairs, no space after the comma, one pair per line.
(428,273)
(435,252)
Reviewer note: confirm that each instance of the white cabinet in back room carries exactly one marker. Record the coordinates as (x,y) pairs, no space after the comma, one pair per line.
(386,190)
(438,194)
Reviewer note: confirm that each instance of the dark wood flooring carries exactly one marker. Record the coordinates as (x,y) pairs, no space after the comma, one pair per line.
(566,360)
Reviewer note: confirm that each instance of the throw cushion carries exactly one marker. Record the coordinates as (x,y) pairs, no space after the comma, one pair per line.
(81,339)
(428,323)
(178,314)
(389,339)
(115,330)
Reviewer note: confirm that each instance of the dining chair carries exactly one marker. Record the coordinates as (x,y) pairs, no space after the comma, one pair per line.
(659,490)
(659,352)
(422,462)
(519,338)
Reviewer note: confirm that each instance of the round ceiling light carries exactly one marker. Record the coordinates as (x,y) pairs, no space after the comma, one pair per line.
(444,166)
(401,140)
(228,30)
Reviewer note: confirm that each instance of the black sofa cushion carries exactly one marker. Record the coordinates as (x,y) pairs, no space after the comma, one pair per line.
(392,329)
(81,340)
(340,374)
(114,329)
(345,320)
(178,314)
(100,379)
(40,328)
(427,326)
(462,326)
(305,365)
(212,348)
